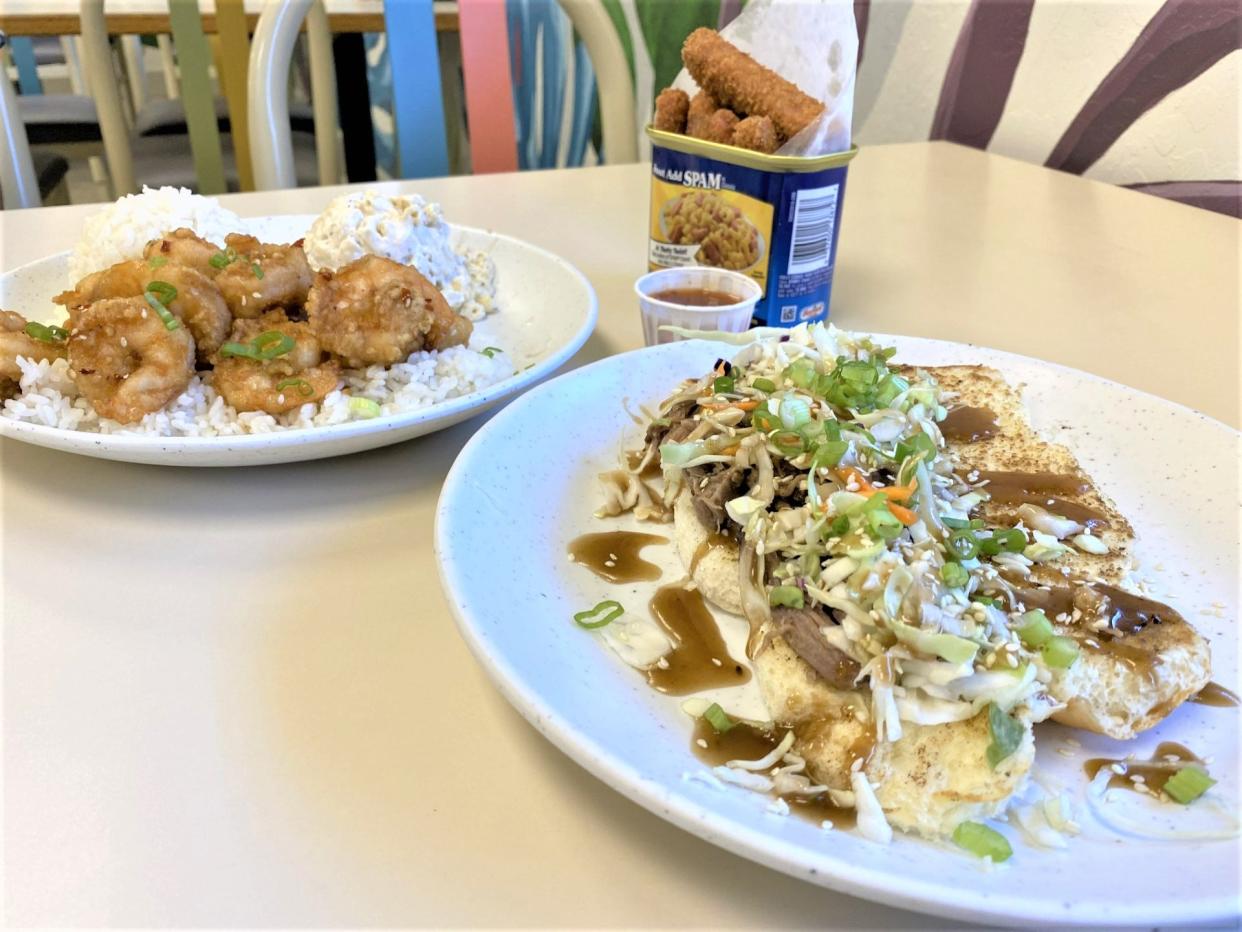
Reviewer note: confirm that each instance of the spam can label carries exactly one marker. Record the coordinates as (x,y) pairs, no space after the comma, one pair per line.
(773,218)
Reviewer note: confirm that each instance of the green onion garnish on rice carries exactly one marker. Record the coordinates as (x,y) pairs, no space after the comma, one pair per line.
(491,351)
(605,613)
(982,842)
(267,345)
(46,333)
(364,407)
(718,718)
(156,262)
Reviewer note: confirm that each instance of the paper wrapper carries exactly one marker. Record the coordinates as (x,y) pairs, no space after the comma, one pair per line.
(815,46)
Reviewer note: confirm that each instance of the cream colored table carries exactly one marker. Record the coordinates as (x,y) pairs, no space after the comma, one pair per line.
(236,697)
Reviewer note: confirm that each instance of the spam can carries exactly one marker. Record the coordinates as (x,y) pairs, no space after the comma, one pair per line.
(776,218)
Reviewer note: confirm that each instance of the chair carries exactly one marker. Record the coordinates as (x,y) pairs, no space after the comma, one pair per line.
(488,78)
(219,158)
(24,180)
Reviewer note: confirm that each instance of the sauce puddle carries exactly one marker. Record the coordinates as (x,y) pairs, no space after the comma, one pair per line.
(699,659)
(1151,774)
(1041,490)
(746,742)
(1216,696)
(614,556)
(966,424)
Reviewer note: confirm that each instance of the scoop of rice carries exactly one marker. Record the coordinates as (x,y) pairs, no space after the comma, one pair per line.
(121,230)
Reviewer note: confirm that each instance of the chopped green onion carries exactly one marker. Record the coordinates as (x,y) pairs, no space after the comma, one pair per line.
(986,600)
(829,453)
(1060,652)
(364,407)
(718,718)
(789,596)
(982,842)
(156,261)
(46,333)
(1006,732)
(955,524)
(763,418)
(723,385)
(977,524)
(1010,540)
(789,443)
(954,575)
(765,385)
(963,545)
(257,269)
(1036,629)
(272,343)
(304,387)
(164,291)
(1188,784)
(244,350)
(795,412)
(167,316)
(884,523)
(840,525)
(221,259)
(603,614)
(801,372)
(491,351)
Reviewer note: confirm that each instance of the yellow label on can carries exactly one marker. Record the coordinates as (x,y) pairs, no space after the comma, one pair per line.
(704,226)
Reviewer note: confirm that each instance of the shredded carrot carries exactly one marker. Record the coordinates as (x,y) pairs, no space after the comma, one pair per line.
(729,451)
(748,405)
(903,514)
(900,493)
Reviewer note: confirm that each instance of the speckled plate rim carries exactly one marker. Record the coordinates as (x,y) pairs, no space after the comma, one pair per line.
(664,800)
(316,442)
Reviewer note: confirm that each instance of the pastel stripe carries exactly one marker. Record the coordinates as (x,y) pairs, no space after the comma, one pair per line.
(981,71)
(488,84)
(1177,45)
(422,144)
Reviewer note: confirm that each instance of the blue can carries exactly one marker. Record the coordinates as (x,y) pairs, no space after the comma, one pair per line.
(776,218)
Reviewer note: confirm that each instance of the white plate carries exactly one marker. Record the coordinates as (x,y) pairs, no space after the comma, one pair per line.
(1158,461)
(547,311)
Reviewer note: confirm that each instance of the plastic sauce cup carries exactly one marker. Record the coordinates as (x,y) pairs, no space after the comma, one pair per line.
(657,313)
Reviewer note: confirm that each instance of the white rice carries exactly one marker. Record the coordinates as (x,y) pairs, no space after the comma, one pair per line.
(49,396)
(121,230)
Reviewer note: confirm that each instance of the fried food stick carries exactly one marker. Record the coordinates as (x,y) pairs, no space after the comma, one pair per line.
(757,133)
(702,106)
(720,126)
(671,109)
(742,84)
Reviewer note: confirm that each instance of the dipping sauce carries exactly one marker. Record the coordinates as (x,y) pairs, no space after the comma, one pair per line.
(696,297)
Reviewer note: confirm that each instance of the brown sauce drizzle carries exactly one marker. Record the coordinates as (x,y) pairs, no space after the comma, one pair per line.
(967,424)
(1154,772)
(614,555)
(699,659)
(653,469)
(746,742)
(1127,614)
(1041,489)
(1215,695)
(716,541)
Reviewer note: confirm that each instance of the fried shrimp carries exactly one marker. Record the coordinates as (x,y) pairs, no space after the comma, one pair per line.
(194,298)
(185,247)
(376,311)
(126,360)
(17,339)
(273,364)
(257,277)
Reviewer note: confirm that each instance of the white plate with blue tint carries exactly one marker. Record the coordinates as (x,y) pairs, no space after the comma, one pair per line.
(526,485)
(548,309)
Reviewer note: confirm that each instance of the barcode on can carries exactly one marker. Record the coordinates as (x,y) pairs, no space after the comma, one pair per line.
(815,212)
